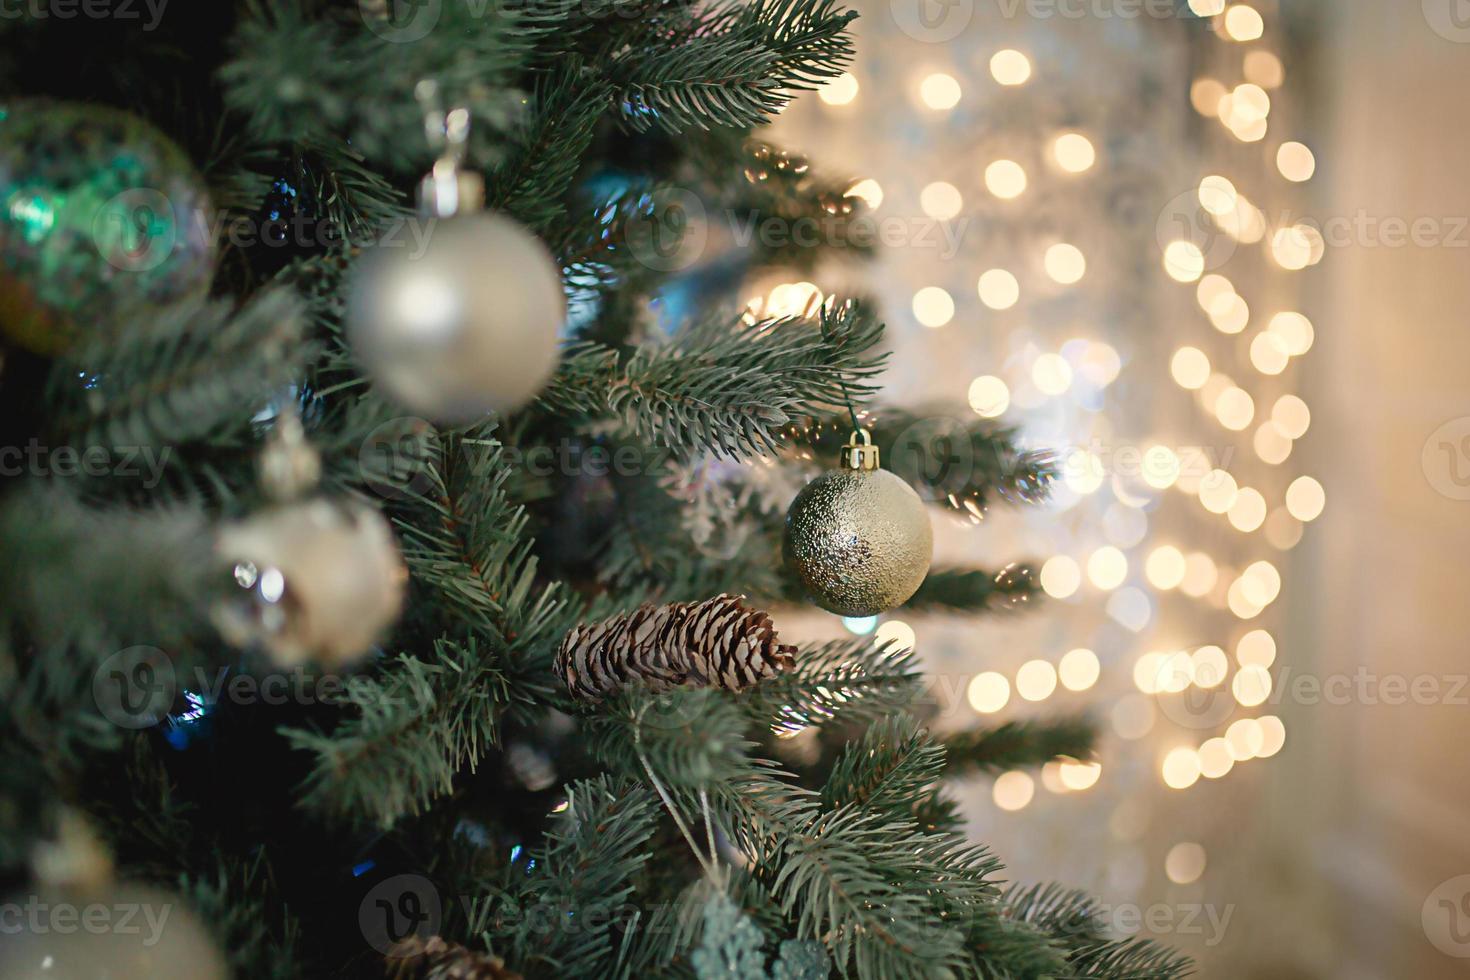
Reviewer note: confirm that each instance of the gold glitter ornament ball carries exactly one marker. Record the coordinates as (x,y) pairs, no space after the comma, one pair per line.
(859,537)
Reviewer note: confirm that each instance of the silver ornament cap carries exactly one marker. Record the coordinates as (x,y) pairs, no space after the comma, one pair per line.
(859,538)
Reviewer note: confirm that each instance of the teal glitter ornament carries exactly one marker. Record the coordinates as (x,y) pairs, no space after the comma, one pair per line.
(101,217)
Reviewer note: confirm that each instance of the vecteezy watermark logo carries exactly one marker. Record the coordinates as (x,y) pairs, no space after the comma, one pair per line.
(1446,917)
(134,688)
(1185,219)
(393,458)
(936,455)
(671,234)
(933,21)
(1446,459)
(90,9)
(1450,19)
(399,907)
(136,230)
(400,21)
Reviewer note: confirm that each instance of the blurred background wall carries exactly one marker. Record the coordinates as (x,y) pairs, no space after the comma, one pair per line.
(1341,854)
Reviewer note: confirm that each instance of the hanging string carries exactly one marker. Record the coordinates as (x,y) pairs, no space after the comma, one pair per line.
(823,321)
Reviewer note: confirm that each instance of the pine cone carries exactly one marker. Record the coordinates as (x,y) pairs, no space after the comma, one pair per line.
(714,643)
(435,958)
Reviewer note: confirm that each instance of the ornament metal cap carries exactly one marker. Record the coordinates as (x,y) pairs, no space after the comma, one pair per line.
(860,453)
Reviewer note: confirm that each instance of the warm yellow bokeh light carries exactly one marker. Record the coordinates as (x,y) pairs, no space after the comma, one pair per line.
(1205,95)
(1239,603)
(1107,568)
(869,190)
(1083,472)
(1078,776)
(1296,162)
(1293,247)
(933,307)
(989,396)
(1074,153)
(1249,103)
(1010,67)
(1061,576)
(1256,649)
(1181,768)
(1273,734)
(998,289)
(1005,179)
(1052,374)
(1244,23)
(897,634)
(941,201)
(989,692)
(1235,409)
(1283,531)
(1269,354)
(1217,491)
(1272,445)
(1200,574)
(1251,686)
(1231,314)
(1213,292)
(1183,261)
(1036,680)
(940,91)
(1209,666)
(1165,567)
(1245,739)
(1262,583)
(1215,758)
(1248,512)
(1190,367)
(1161,467)
(1206,8)
(840,90)
(1079,669)
(1065,263)
(1305,499)
(1185,863)
(1013,790)
(1217,195)
(1264,68)
(1291,416)
(1295,331)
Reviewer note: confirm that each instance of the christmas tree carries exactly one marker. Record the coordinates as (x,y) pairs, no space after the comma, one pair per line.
(394,562)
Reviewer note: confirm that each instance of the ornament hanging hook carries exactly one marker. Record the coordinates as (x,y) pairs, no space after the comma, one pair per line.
(860,453)
(449,188)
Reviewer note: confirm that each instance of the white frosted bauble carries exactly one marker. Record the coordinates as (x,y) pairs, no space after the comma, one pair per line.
(325,580)
(461,324)
(120,932)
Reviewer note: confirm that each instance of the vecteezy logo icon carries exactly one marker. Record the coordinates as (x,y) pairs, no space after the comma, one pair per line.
(1446,459)
(399,907)
(1450,19)
(393,459)
(136,230)
(1185,219)
(933,21)
(134,688)
(1446,917)
(936,455)
(400,21)
(670,234)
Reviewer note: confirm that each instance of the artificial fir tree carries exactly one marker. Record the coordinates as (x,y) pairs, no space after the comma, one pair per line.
(525,777)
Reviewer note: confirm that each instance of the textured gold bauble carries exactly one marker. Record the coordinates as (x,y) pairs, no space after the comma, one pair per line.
(860,541)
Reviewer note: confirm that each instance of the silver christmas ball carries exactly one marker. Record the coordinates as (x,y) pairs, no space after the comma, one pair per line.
(320,581)
(462,323)
(860,540)
(122,932)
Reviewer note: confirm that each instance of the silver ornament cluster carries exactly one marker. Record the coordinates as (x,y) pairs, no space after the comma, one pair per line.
(718,642)
(859,538)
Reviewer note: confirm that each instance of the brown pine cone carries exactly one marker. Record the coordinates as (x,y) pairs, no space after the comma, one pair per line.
(715,643)
(416,958)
